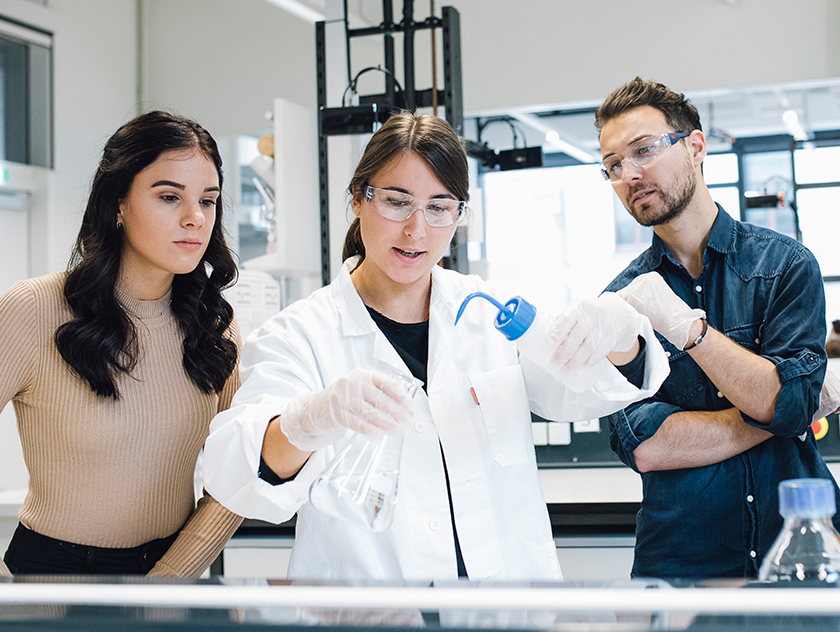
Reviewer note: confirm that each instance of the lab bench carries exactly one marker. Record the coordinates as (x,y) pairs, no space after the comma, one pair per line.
(137,603)
(592,513)
(593,542)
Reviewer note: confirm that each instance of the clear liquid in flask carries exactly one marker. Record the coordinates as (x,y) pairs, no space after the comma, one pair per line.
(360,484)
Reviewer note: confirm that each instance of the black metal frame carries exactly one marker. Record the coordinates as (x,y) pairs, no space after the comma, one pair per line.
(451,98)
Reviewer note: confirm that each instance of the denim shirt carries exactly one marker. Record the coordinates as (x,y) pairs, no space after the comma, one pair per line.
(765,292)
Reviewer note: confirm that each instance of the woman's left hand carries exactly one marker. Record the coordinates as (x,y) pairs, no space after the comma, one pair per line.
(591,328)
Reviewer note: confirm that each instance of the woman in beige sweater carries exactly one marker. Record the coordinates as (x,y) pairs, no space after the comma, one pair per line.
(116,367)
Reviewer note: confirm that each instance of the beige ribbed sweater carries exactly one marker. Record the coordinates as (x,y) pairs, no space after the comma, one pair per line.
(103,472)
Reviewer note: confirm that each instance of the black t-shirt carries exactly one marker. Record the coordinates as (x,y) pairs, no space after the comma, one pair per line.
(411,341)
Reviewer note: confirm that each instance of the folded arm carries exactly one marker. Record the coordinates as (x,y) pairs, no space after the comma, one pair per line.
(200,541)
(749,381)
(696,439)
(773,389)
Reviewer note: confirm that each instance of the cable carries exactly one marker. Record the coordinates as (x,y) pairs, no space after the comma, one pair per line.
(524,137)
(512,129)
(355,81)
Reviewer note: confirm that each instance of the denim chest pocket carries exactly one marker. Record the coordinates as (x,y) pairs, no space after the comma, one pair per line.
(503,407)
(686,379)
(747,336)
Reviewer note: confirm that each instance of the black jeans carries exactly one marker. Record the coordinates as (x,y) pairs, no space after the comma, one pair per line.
(31,553)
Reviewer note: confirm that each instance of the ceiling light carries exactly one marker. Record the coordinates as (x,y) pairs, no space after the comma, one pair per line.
(571,149)
(791,120)
(299,9)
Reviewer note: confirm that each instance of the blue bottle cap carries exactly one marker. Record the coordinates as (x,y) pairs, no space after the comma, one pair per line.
(518,316)
(514,317)
(807,497)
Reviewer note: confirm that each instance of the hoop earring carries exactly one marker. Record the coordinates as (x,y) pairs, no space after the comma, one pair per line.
(119,225)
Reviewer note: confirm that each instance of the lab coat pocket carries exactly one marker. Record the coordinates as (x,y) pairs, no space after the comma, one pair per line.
(503,405)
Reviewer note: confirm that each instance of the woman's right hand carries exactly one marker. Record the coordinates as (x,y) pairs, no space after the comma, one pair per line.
(362,400)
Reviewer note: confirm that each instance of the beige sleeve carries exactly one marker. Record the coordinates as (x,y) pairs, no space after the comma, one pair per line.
(234,382)
(4,570)
(200,541)
(20,318)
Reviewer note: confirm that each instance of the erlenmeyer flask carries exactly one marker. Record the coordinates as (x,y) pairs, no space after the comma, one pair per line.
(360,483)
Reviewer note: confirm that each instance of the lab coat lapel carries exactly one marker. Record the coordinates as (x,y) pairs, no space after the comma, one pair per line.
(449,403)
(442,370)
(356,321)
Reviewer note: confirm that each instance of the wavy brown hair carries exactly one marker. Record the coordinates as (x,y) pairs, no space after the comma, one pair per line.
(100,341)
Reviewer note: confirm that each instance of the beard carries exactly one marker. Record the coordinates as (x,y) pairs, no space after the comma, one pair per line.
(671,203)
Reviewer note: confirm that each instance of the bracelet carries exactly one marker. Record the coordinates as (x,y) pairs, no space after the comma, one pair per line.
(700,337)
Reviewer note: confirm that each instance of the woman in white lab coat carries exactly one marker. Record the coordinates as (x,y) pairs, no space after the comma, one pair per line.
(470,501)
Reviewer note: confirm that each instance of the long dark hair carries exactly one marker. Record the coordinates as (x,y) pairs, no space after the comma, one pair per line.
(101,342)
(431,138)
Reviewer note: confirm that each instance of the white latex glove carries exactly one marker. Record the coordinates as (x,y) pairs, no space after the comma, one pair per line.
(590,328)
(829,396)
(668,313)
(362,400)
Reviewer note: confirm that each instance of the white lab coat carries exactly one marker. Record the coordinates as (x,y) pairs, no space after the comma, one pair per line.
(500,511)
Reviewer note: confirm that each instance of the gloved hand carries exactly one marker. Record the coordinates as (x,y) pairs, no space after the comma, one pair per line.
(829,396)
(362,400)
(591,328)
(670,316)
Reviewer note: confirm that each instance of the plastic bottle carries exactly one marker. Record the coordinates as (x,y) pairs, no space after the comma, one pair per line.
(360,484)
(519,321)
(807,549)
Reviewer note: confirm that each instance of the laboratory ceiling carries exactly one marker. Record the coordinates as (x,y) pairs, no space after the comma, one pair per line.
(726,115)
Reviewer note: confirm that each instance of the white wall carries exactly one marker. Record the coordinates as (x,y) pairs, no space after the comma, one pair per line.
(514,53)
(558,51)
(223,63)
(94,70)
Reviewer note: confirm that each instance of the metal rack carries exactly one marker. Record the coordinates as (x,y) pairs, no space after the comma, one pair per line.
(408,98)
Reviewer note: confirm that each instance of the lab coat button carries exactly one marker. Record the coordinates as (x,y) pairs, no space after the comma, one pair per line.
(750,498)
(420,427)
(753,554)
(434,524)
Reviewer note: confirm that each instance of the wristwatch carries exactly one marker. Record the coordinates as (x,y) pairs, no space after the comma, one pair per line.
(700,337)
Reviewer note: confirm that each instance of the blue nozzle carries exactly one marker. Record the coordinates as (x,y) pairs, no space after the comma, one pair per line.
(514,317)
(461,309)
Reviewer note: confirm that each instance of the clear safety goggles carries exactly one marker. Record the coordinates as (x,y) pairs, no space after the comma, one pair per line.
(640,154)
(398,206)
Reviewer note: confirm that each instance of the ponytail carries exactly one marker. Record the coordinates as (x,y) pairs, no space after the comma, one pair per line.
(353,242)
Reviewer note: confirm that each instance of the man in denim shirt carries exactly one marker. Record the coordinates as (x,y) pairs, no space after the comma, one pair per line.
(740,311)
